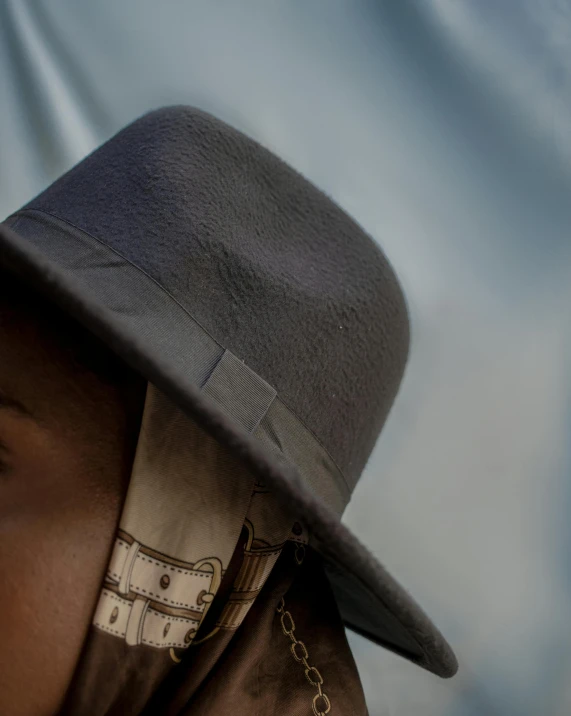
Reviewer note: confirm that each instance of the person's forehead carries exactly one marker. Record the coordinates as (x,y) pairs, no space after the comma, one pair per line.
(41,376)
(38,376)
(34,380)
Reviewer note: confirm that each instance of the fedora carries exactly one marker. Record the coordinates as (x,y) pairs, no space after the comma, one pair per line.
(258,306)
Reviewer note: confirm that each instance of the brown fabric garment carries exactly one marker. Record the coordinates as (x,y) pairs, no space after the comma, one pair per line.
(254,672)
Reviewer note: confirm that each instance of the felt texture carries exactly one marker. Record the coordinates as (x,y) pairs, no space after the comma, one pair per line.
(264,261)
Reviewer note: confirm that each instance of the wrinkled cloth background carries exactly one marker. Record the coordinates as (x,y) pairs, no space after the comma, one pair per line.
(444,127)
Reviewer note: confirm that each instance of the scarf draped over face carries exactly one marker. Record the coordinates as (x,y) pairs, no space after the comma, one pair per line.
(213,601)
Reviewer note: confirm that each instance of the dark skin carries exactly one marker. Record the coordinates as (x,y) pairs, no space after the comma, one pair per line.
(67,441)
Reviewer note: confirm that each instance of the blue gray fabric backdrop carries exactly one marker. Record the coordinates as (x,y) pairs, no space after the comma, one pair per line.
(444,127)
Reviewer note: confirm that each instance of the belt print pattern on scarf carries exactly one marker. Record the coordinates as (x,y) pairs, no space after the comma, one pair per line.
(150,599)
(259,560)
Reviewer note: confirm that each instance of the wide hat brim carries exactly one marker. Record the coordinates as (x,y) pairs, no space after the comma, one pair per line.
(371,601)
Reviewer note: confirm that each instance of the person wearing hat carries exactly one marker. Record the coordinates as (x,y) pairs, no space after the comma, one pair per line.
(198,352)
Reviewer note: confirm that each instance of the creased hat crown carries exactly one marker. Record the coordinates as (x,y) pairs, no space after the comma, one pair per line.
(273,269)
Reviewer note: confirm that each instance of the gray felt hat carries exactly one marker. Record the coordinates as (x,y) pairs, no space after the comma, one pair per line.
(257,305)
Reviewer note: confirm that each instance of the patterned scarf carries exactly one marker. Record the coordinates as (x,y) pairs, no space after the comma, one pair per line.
(213,601)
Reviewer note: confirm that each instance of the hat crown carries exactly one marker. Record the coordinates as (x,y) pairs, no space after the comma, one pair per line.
(273,269)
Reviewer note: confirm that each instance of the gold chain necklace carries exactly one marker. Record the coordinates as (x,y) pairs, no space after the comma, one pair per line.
(320,704)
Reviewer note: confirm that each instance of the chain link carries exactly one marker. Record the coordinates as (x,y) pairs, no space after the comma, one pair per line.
(320,704)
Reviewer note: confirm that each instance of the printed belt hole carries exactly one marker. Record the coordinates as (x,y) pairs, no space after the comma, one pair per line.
(299,553)
(204,597)
(188,636)
(296,529)
(114,615)
(166,629)
(165,581)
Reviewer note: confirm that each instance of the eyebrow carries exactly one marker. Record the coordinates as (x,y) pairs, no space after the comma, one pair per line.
(7,402)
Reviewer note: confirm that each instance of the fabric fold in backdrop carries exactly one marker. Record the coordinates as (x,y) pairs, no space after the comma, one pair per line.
(212,602)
